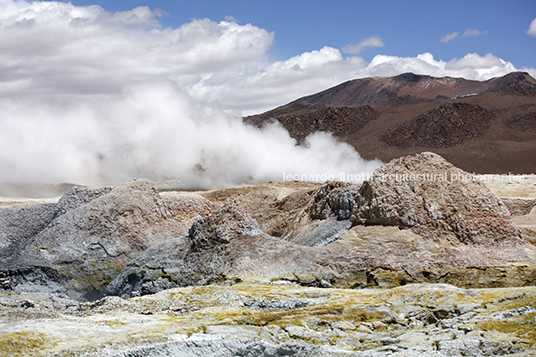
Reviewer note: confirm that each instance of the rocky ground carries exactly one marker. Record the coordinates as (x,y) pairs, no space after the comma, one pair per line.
(276,320)
(408,265)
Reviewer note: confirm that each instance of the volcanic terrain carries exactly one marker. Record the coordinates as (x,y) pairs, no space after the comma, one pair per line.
(481,127)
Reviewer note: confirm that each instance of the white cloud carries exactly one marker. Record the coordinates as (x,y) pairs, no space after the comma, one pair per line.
(473,32)
(89,50)
(450,37)
(532,28)
(374,41)
(111,96)
(467,33)
(258,89)
(471,66)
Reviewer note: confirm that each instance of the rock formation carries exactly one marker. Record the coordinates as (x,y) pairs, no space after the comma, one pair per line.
(326,217)
(87,237)
(460,232)
(223,247)
(131,240)
(436,200)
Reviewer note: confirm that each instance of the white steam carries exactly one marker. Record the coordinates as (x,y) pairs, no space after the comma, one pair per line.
(94,97)
(154,130)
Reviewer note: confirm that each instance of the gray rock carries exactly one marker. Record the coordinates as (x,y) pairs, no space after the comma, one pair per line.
(319,233)
(436,200)
(219,248)
(227,348)
(92,234)
(32,279)
(287,304)
(20,223)
(334,198)
(228,223)
(325,219)
(78,196)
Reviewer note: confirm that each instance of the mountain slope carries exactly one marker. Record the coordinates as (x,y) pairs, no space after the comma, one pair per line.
(368,90)
(481,127)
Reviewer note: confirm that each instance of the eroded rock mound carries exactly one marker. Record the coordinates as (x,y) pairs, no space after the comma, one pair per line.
(334,198)
(91,234)
(436,200)
(18,224)
(78,196)
(224,247)
(325,219)
(227,223)
(228,247)
(274,206)
(419,219)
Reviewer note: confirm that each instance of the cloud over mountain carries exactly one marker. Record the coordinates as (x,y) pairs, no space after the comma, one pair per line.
(374,41)
(91,51)
(116,95)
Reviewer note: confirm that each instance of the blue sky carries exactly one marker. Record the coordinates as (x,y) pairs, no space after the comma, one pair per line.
(407,28)
(95,91)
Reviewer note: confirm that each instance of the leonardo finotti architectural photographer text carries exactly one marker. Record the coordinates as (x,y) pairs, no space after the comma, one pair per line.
(402,177)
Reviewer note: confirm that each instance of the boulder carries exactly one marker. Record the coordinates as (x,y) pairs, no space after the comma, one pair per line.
(434,199)
(325,219)
(334,198)
(91,234)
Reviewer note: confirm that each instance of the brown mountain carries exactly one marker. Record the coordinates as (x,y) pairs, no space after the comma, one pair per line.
(480,126)
(367,90)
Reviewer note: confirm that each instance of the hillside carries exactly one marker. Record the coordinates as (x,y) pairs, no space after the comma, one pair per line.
(482,127)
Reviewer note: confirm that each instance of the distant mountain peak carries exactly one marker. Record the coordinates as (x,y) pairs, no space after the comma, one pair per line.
(409,77)
(367,90)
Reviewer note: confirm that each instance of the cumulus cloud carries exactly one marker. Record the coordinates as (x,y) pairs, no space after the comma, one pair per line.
(471,66)
(532,28)
(374,41)
(260,89)
(112,96)
(89,50)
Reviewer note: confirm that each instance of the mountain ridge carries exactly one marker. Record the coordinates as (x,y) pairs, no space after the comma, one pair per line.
(373,89)
(481,127)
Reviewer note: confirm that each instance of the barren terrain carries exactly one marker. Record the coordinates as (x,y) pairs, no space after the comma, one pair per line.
(482,127)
